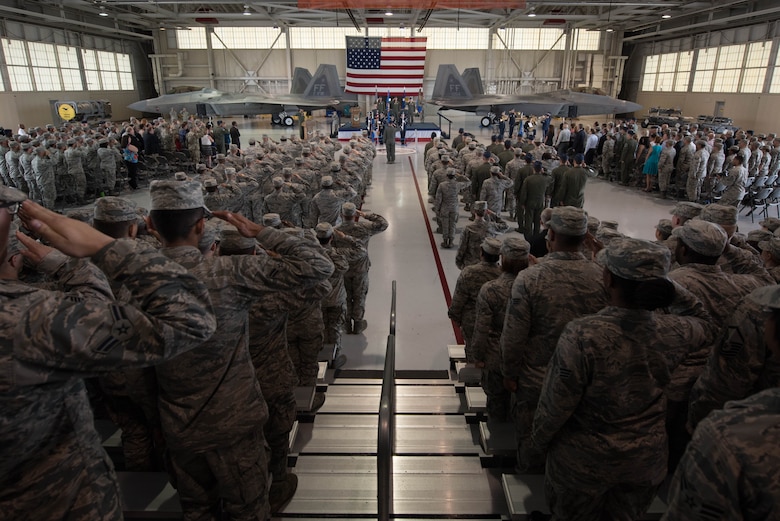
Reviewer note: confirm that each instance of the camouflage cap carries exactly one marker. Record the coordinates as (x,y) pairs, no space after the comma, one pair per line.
(209,182)
(299,160)
(722,214)
(703,237)
(231,239)
(26,146)
(11,195)
(230,170)
(451,172)
(305,150)
(515,248)
(180,176)
(201,167)
(81,214)
(115,210)
(757,236)
(335,167)
(491,246)
(220,157)
(326,181)
(518,152)
(480,205)
(472,145)
(348,209)
(568,220)
(323,230)
(278,182)
(593,224)
(772,246)
(210,233)
(768,296)
(636,259)
(664,226)
(273,220)
(495,169)
(606,235)
(176,195)
(771,223)
(686,210)
(13,246)
(609,224)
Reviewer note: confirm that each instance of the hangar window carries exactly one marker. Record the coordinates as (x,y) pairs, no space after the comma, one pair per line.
(191,38)
(730,62)
(43,59)
(69,68)
(668,72)
(774,87)
(18,65)
(585,40)
(705,68)
(451,38)
(529,39)
(102,70)
(246,38)
(756,64)
(321,37)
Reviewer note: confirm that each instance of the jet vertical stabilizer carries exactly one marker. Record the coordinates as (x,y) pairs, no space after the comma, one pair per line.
(450,84)
(300,80)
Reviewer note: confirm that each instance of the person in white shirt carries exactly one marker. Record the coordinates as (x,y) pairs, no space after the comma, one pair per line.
(21,131)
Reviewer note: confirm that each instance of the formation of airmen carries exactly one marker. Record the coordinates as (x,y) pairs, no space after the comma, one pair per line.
(618,360)
(215,303)
(608,353)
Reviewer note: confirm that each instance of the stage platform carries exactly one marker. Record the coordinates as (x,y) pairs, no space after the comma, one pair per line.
(416,132)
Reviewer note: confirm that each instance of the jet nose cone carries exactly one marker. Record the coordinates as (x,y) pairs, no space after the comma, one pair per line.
(632,107)
(140,106)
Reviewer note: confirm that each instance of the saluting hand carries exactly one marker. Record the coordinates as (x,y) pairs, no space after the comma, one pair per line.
(244,226)
(71,237)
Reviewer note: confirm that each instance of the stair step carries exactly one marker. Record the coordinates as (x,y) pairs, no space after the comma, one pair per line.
(415,435)
(410,399)
(468,374)
(476,400)
(525,494)
(442,486)
(148,495)
(498,438)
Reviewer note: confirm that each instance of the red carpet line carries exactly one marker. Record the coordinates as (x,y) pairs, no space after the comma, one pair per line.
(444,286)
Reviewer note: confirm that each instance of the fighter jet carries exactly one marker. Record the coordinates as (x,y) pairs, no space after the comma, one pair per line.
(453,91)
(308,92)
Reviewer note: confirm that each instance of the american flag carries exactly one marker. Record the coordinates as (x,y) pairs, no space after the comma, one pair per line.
(390,64)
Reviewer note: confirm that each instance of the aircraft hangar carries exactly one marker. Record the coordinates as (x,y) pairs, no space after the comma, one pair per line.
(710,58)
(403,432)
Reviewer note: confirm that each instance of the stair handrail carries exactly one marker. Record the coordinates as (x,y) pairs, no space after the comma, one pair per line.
(448,134)
(386,436)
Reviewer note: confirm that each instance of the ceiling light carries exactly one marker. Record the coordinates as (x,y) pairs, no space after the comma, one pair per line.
(103,11)
(247,12)
(610,30)
(666,16)
(388,13)
(531,14)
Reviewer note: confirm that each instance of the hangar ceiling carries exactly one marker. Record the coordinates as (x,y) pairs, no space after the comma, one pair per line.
(640,20)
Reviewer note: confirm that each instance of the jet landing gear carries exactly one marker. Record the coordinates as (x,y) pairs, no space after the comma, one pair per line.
(488,120)
(282,119)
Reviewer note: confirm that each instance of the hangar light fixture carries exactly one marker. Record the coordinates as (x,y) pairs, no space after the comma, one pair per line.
(247,12)
(103,11)
(388,13)
(666,16)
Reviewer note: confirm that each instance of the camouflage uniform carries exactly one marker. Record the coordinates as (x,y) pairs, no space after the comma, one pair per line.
(25,165)
(601,414)
(108,160)
(493,192)
(471,240)
(14,172)
(326,205)
(4,166)
(217,449)
(730,468)
(464,299)
(356,281)
(52,464)
(286,203)
(665,167)
(73,159)
(740,365)
(44,179)
(545,297)
(305,333)
(446,205)
(486,340)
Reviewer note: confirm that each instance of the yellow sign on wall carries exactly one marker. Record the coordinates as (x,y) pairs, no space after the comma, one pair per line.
(66,111)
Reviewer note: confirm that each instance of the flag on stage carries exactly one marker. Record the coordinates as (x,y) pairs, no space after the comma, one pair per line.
(386,63)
